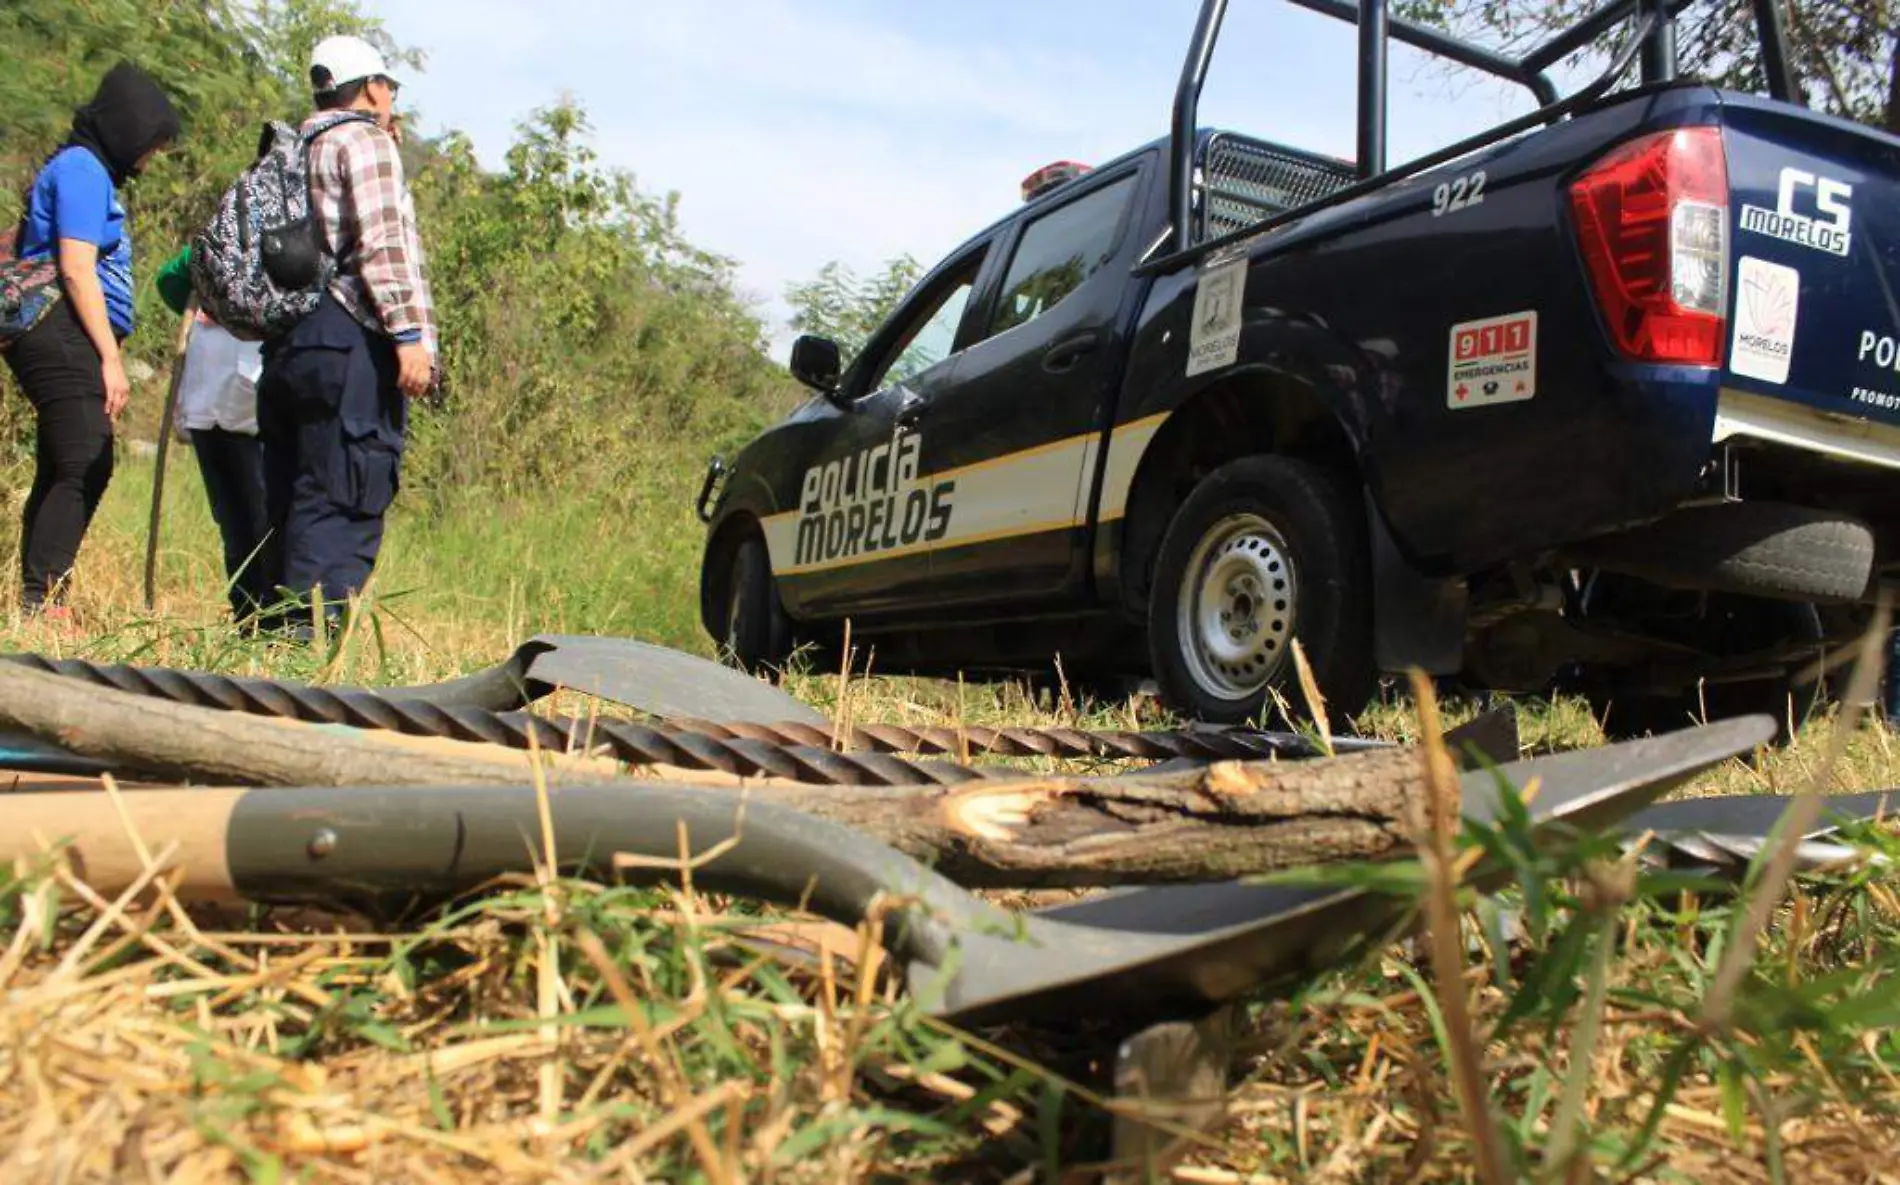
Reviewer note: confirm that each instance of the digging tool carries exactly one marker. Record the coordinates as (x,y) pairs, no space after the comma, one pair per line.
(473,708)
(663,682)
(641,676)
(186,321)
(1166,966)
(1134,957)
(994,827)
(1725,833)
(79,718)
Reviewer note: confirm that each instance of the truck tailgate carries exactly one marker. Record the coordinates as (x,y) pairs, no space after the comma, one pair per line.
(1815,260)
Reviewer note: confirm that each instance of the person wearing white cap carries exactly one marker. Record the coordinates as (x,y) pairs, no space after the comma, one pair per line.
(332,397)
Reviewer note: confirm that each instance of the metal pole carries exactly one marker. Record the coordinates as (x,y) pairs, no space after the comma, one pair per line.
(1372,66)
(1659,48)
(1578,35)
(1774,51)
(1187,96)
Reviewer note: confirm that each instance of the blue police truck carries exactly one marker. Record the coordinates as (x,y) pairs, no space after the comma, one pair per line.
(1606,398)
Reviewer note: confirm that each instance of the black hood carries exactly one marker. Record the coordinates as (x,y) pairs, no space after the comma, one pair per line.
(128,116)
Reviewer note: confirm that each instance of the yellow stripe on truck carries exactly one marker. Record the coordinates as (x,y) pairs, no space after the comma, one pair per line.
(1028,492)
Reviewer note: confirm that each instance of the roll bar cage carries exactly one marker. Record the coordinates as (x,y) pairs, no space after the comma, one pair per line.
(1654,40)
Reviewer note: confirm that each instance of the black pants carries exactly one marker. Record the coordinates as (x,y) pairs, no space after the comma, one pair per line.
(232,465)
(331,420)
(59,370)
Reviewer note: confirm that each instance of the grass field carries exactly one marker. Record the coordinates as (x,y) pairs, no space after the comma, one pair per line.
(560,1031)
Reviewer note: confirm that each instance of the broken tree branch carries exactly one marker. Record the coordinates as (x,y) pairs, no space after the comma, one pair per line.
(1225,820)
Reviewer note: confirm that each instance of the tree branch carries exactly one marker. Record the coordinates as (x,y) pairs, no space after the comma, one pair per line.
(1216,822)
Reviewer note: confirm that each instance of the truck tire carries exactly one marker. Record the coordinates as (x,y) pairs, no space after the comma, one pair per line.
(1768,549)
(757,631)
(1263,550)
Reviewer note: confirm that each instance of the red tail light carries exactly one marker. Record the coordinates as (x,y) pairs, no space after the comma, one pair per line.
(1652,220)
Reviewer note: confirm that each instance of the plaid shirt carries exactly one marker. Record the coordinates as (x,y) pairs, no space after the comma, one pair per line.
(370,221)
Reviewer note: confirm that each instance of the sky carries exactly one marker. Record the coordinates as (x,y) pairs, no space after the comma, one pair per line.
(797,132)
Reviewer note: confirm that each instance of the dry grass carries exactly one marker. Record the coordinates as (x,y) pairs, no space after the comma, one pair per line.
(556,1031)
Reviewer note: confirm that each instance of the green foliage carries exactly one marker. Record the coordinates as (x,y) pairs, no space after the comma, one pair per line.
(846,308)
(583,336)
(228,67)
(1843,52)
(582,331)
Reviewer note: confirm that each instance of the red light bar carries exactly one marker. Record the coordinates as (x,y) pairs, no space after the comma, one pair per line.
(1049,176)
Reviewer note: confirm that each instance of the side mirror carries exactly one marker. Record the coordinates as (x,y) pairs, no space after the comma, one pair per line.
(816,363)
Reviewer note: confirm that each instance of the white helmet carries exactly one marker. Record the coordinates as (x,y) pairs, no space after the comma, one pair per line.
(339,61)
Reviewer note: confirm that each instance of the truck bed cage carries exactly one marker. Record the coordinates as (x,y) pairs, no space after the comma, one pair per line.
(1247,178)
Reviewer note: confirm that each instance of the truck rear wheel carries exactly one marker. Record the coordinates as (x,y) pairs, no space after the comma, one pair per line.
(757,635)
(1264,550)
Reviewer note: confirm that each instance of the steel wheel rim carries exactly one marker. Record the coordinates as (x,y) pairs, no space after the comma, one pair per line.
(1235,613)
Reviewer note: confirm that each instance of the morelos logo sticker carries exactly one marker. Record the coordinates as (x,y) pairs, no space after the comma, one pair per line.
(1493,361)
(1829,228)
(871,501)
(1214,333)
(1767,305)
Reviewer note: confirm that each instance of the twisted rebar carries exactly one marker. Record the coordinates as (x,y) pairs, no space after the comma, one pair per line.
(800,752)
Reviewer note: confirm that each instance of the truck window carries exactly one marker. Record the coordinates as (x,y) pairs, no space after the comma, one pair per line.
(1058,251)
(931,334)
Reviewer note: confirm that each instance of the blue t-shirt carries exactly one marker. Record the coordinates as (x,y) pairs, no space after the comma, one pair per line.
(73,198)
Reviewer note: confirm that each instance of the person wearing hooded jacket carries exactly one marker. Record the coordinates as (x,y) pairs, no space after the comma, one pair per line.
(69,365)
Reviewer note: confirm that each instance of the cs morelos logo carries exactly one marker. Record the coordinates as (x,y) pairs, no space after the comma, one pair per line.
(870,501)
(1829,228)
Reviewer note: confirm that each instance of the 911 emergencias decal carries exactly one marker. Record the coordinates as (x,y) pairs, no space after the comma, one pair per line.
(868,502)
(1492,361)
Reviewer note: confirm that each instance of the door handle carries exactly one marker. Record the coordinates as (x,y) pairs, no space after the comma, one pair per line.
(1070,350)
(910,410)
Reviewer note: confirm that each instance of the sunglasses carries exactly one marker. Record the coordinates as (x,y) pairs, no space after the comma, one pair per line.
(395,87)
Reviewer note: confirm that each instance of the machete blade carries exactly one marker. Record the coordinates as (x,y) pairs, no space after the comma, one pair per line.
(669,684)
(1176,950)
(1724,834)
(1755,815)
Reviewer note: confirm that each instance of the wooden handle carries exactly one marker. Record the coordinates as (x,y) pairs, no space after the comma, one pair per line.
(186,320)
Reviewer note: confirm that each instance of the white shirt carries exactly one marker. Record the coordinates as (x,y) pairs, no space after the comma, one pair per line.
(219,386)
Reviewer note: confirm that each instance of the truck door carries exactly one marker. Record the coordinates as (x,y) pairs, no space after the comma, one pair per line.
(868,512)
(1018,431)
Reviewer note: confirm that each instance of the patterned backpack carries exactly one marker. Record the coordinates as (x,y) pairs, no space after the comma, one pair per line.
(260,266)
(28,289)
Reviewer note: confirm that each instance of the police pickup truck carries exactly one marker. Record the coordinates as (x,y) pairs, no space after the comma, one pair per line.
(1604,399)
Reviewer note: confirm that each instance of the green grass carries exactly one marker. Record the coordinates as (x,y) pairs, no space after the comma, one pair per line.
(553,1030)
(624,564)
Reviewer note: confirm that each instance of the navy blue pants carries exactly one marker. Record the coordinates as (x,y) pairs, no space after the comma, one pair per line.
(232,466)
(331,420)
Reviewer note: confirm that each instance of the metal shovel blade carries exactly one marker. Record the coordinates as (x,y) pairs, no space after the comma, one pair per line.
(1724,834)
(1755,815)
(666,683)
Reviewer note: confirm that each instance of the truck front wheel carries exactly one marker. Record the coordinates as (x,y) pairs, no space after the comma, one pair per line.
(757,634)
(1264,550)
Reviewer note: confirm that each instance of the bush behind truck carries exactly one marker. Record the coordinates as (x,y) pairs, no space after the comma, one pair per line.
(1602,399)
